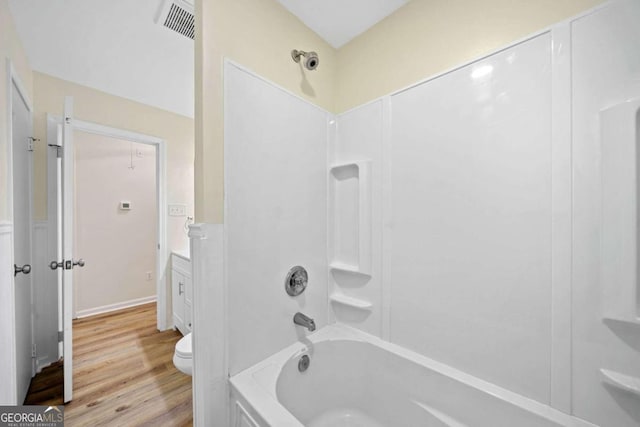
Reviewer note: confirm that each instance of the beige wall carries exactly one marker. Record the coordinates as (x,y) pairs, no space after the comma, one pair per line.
(260,35)
(101,108)
(427,37)
(124,242)
(10,48)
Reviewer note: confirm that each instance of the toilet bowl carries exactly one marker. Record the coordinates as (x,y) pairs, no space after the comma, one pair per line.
(183,356)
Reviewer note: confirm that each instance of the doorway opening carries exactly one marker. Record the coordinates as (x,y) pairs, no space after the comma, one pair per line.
(96,204)
(115,223)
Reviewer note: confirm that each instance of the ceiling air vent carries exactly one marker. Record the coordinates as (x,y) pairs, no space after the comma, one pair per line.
(177,15)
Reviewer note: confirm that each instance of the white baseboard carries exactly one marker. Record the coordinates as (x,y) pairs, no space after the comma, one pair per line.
(113,307)
(43,362)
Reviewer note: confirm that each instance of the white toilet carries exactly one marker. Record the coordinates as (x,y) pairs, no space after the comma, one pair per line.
(183,356)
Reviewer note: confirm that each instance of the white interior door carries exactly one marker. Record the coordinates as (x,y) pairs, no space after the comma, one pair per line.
(65,235)
(21,127)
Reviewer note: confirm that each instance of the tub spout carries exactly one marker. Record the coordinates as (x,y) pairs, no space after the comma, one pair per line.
(302,320)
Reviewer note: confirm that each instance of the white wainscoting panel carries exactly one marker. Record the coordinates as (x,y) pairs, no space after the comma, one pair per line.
(209,329)
(7,318)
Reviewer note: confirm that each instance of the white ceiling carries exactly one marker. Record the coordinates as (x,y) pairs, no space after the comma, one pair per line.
(111,45)
(339,21)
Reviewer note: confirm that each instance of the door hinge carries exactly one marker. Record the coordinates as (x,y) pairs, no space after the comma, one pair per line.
(33,350)
(60,336)
(58,149)
(30,141)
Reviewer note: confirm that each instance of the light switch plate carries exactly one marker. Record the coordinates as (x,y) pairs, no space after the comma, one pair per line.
(177,210)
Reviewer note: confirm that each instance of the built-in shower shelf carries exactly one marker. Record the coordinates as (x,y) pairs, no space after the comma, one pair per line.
(338,266)
(631,321)
(345,165)
(350,302)
(620,186)
(350,216)
(622,381)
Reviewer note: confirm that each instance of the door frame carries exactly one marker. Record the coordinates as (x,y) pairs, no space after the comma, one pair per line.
(162,253)
(54,247)
(15,83)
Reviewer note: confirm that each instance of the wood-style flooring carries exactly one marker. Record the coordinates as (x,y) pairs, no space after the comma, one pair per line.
(123,374)
(47,387)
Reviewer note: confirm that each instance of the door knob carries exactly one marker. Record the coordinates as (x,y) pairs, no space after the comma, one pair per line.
(25,269)
(55,264)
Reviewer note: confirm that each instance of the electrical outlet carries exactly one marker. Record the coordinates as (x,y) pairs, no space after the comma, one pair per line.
(177,210)
(149,275)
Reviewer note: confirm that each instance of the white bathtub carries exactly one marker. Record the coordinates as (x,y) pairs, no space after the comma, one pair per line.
(355,379)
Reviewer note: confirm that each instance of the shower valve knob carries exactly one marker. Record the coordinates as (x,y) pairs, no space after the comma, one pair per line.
(296,281)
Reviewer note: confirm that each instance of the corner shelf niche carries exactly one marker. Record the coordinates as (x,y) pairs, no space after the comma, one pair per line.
(350,219)
(622,381)
(629,320)
(350,301)
(347,268)
(620,144)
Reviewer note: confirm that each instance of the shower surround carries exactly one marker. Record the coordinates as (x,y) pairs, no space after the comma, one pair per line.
(457,221)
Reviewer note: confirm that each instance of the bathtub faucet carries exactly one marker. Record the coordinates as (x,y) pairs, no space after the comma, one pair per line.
(302,320)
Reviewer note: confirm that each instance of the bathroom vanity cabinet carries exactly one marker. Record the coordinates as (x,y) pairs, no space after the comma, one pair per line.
(181,291)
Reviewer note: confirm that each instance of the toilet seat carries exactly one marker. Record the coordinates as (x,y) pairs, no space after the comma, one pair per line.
(184,348)
(183,355)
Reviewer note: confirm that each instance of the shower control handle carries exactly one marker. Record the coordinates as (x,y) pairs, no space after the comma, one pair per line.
(296,281)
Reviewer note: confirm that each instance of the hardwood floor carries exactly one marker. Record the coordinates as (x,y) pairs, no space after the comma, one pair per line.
(124,374)
(47,387)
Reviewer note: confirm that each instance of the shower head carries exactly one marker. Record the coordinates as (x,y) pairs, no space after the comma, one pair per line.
(311,59)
